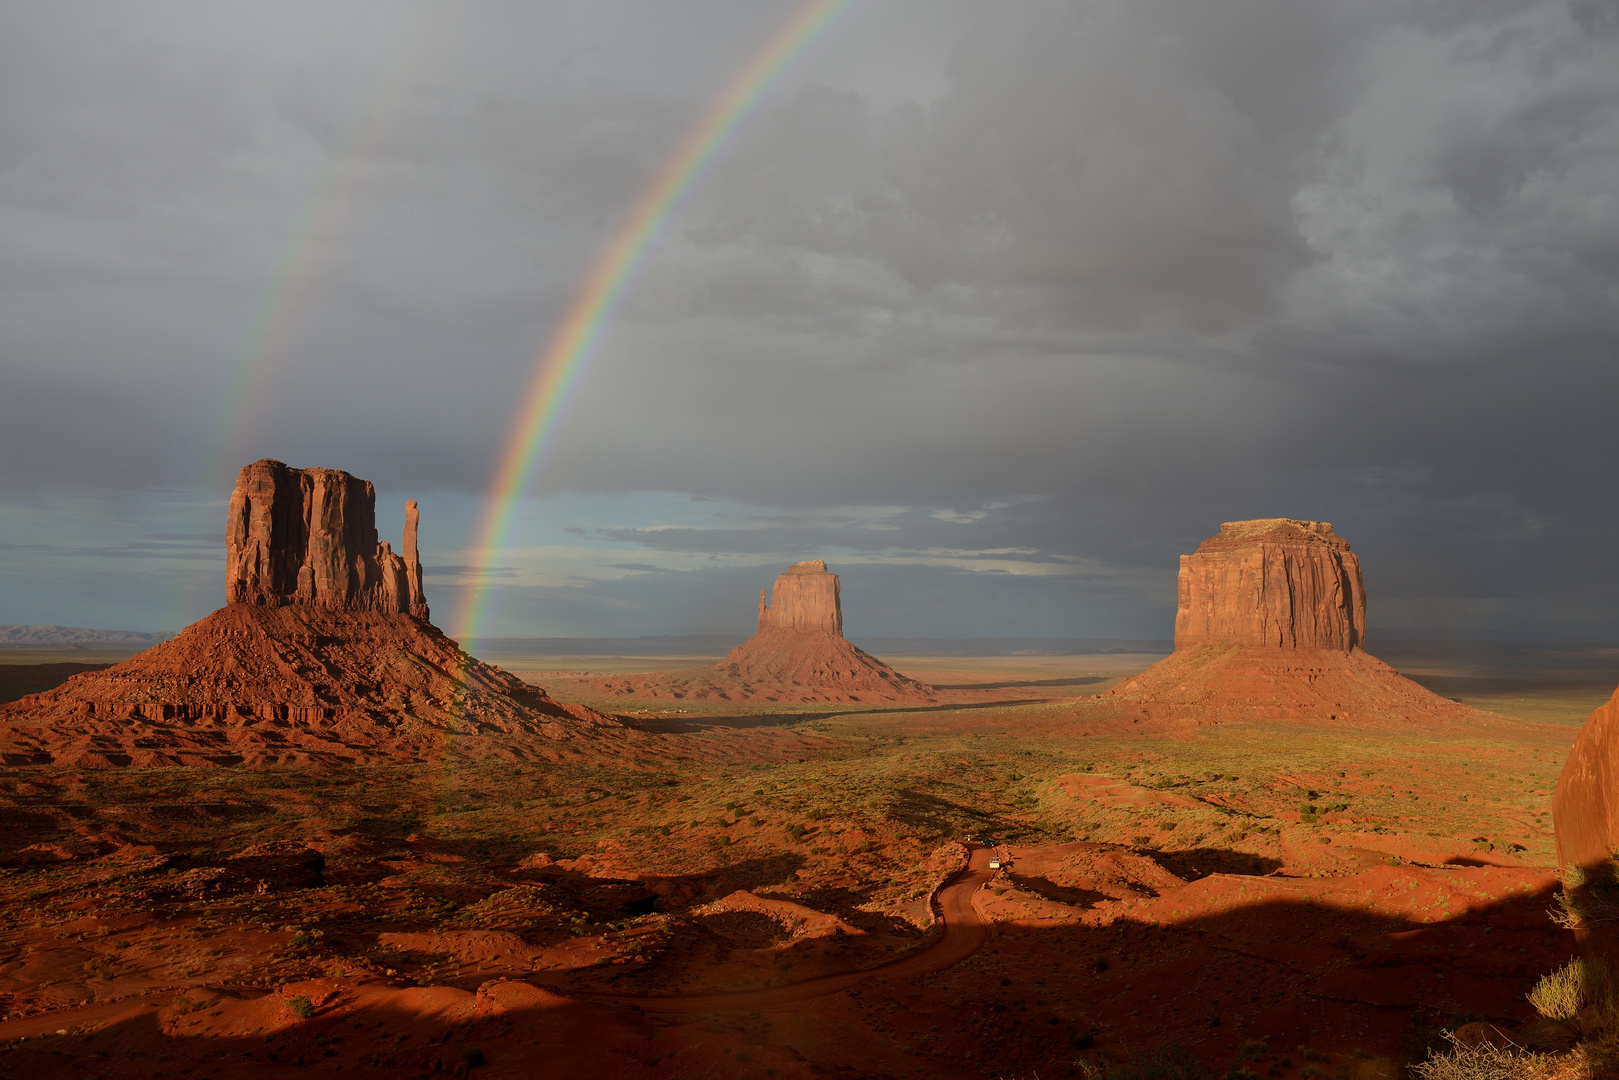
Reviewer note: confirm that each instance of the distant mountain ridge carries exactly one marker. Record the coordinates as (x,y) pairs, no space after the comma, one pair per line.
(76,635)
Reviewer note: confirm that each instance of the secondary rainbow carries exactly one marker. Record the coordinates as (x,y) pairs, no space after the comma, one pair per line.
(308,242)
(562,361)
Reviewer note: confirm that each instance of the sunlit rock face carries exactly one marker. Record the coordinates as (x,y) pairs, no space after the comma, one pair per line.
(1272,582)
(1585,806)
(309,536)
(804,598)
(1585,821)
(1271,625)
(323,654)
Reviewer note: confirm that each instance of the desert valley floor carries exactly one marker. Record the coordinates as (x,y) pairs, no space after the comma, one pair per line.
(752,890)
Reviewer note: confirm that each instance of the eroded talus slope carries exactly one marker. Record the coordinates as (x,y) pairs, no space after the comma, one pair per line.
(323,652)
(269,685)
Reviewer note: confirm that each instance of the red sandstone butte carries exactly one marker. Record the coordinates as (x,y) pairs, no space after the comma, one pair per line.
(323,654)
(1270,624)
(1272,582)
(800,644)
(309,536)
(806,597)
(798,655)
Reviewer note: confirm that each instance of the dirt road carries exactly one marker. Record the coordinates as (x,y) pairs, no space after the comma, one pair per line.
(964,932)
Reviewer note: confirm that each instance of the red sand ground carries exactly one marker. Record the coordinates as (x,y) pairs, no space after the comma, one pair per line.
(1333,951)
(1084,942)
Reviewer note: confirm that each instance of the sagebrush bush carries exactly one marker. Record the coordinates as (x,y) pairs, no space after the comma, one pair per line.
(1560,995)
(1482,1063)
(1581,982)
(1590,895)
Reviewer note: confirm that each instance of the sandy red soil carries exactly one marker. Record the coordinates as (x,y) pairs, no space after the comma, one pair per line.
(768,895)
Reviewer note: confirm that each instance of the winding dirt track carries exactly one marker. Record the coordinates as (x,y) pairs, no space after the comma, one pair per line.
(965,931)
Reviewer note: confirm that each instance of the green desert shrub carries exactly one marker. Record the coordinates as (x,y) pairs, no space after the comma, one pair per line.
(301,1007)
(1562,994)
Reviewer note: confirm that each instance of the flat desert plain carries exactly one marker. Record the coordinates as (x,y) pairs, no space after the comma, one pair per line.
(808,890)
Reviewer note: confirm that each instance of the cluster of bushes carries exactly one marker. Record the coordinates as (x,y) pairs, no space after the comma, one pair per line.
(1578,1007)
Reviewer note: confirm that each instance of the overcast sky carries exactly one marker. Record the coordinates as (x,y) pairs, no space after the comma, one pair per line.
(997,308)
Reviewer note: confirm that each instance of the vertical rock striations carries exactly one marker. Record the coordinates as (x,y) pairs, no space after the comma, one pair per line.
(309,536)
(324,653)
(1272,582)
(1271,624)
(804,598)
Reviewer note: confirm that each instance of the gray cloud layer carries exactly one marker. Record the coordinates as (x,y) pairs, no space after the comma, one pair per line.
(1087,278)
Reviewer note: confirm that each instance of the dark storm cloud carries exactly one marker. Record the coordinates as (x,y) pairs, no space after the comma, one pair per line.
(1104,275)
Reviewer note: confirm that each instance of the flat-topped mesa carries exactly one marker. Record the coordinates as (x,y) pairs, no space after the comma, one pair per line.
(309,536)
(803,598)
(1271,626)
(1272,582)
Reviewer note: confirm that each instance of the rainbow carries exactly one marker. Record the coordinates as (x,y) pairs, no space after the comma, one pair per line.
(563,359)
(304,253)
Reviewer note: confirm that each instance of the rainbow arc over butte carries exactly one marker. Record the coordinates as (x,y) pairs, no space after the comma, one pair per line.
(563,359)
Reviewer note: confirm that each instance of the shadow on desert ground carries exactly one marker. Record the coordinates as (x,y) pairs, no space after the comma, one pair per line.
(1345,975)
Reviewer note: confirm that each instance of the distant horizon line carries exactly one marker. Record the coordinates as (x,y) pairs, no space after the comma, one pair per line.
(1412,634)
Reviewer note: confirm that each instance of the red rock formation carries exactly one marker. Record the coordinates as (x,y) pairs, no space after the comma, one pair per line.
(1585,821)
(1270,624)
(1585,806)
(1275,582)
(262,685)
(804,598)
(798,655)
(324,653)
(309,536)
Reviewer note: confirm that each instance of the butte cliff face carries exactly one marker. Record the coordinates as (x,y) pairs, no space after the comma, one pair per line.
(309,537)
(805,598)
(1270,624)
(1272,582)
(323,654)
